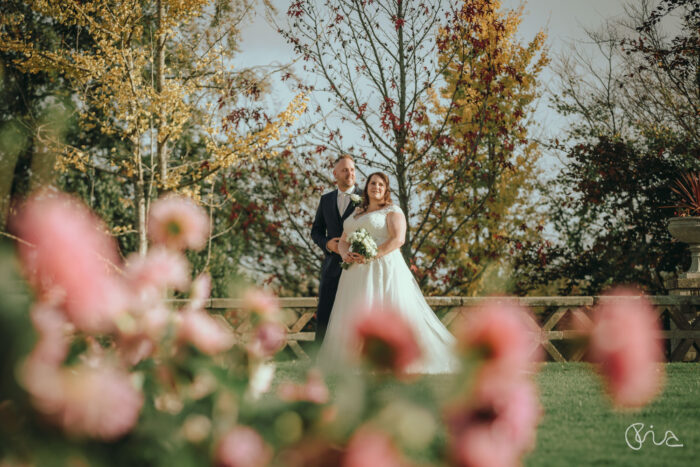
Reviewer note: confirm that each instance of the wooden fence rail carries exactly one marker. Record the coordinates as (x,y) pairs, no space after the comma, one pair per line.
(680,316)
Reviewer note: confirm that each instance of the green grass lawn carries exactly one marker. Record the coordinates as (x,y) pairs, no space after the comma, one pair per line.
(581,428)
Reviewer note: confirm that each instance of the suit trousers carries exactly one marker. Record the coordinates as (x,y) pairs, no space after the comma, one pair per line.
(326,296)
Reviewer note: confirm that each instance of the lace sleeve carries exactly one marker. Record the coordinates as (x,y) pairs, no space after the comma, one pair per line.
(394,208)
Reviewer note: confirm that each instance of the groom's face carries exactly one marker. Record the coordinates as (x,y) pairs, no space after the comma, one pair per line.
(344,173)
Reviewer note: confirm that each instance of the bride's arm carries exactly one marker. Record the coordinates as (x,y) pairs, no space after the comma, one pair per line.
(396,224)
(344,248)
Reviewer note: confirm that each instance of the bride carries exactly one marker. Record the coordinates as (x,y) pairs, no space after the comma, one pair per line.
(385,281)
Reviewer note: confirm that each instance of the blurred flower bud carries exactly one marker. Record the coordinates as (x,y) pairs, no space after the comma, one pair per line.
(625,343)
(208,334)
(196,428)
(268,338)
(178,223)
(387,341)
(242,447)
(67,256)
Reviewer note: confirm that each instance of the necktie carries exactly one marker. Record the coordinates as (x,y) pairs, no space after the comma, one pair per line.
(343,202)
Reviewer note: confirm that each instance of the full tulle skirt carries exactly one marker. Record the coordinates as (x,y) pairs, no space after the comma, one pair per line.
(381,284)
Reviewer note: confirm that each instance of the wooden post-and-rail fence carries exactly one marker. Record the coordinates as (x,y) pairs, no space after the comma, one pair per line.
(554,316)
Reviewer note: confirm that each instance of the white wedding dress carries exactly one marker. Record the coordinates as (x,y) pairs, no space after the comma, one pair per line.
(383,283)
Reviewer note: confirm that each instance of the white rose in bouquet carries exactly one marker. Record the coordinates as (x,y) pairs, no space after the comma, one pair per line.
(361,242)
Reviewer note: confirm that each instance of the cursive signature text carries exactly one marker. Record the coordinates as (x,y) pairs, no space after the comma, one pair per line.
(635,437)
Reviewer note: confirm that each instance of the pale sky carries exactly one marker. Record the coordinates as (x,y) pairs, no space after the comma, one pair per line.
(564,21)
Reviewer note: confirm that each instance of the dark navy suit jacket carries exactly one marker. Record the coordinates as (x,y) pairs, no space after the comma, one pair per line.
(328,224)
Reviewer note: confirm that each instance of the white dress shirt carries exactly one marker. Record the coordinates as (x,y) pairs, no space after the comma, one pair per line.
(344,199)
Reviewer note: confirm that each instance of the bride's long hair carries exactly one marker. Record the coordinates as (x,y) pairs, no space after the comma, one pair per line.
(365,193)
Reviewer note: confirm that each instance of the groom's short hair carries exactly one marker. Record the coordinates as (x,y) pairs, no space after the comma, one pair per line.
(343,156)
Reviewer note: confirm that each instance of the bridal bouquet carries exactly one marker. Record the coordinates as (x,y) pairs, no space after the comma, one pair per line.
(361,242)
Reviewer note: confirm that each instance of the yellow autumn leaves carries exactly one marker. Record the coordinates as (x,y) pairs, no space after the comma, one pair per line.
(480,187)
(111,59)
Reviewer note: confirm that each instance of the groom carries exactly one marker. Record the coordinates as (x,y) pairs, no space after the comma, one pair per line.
(333,209)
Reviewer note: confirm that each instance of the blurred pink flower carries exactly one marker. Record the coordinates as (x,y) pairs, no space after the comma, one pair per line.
(199,292)
(242,447)
(516,402)
(96,402)
(268,338)
(159,270)
(261,302)
(483,446)
(71,257)
(313,390)
(141,330)
(153,321)
(370,447)
(179,223)
(205,332)
(386,340)
(53,329)
(502,333)
(133,350)
(625,343)
(497,423)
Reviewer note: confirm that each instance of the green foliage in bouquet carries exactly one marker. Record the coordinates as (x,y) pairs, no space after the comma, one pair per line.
(362,243)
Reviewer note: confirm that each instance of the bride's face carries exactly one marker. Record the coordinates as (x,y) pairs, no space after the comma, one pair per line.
(376,188)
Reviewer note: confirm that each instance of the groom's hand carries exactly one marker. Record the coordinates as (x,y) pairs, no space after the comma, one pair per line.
(332,245)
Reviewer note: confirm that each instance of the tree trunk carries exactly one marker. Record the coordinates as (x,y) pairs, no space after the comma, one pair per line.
(162,150)
(42,167)
(141,199)
(141,208)
(404,202)
(7,175)
(401,170)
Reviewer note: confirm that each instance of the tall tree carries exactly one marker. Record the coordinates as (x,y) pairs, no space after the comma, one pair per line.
(28,103)
(634,131)
(378,60)
(155,69)
(424,83)
(477,186)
